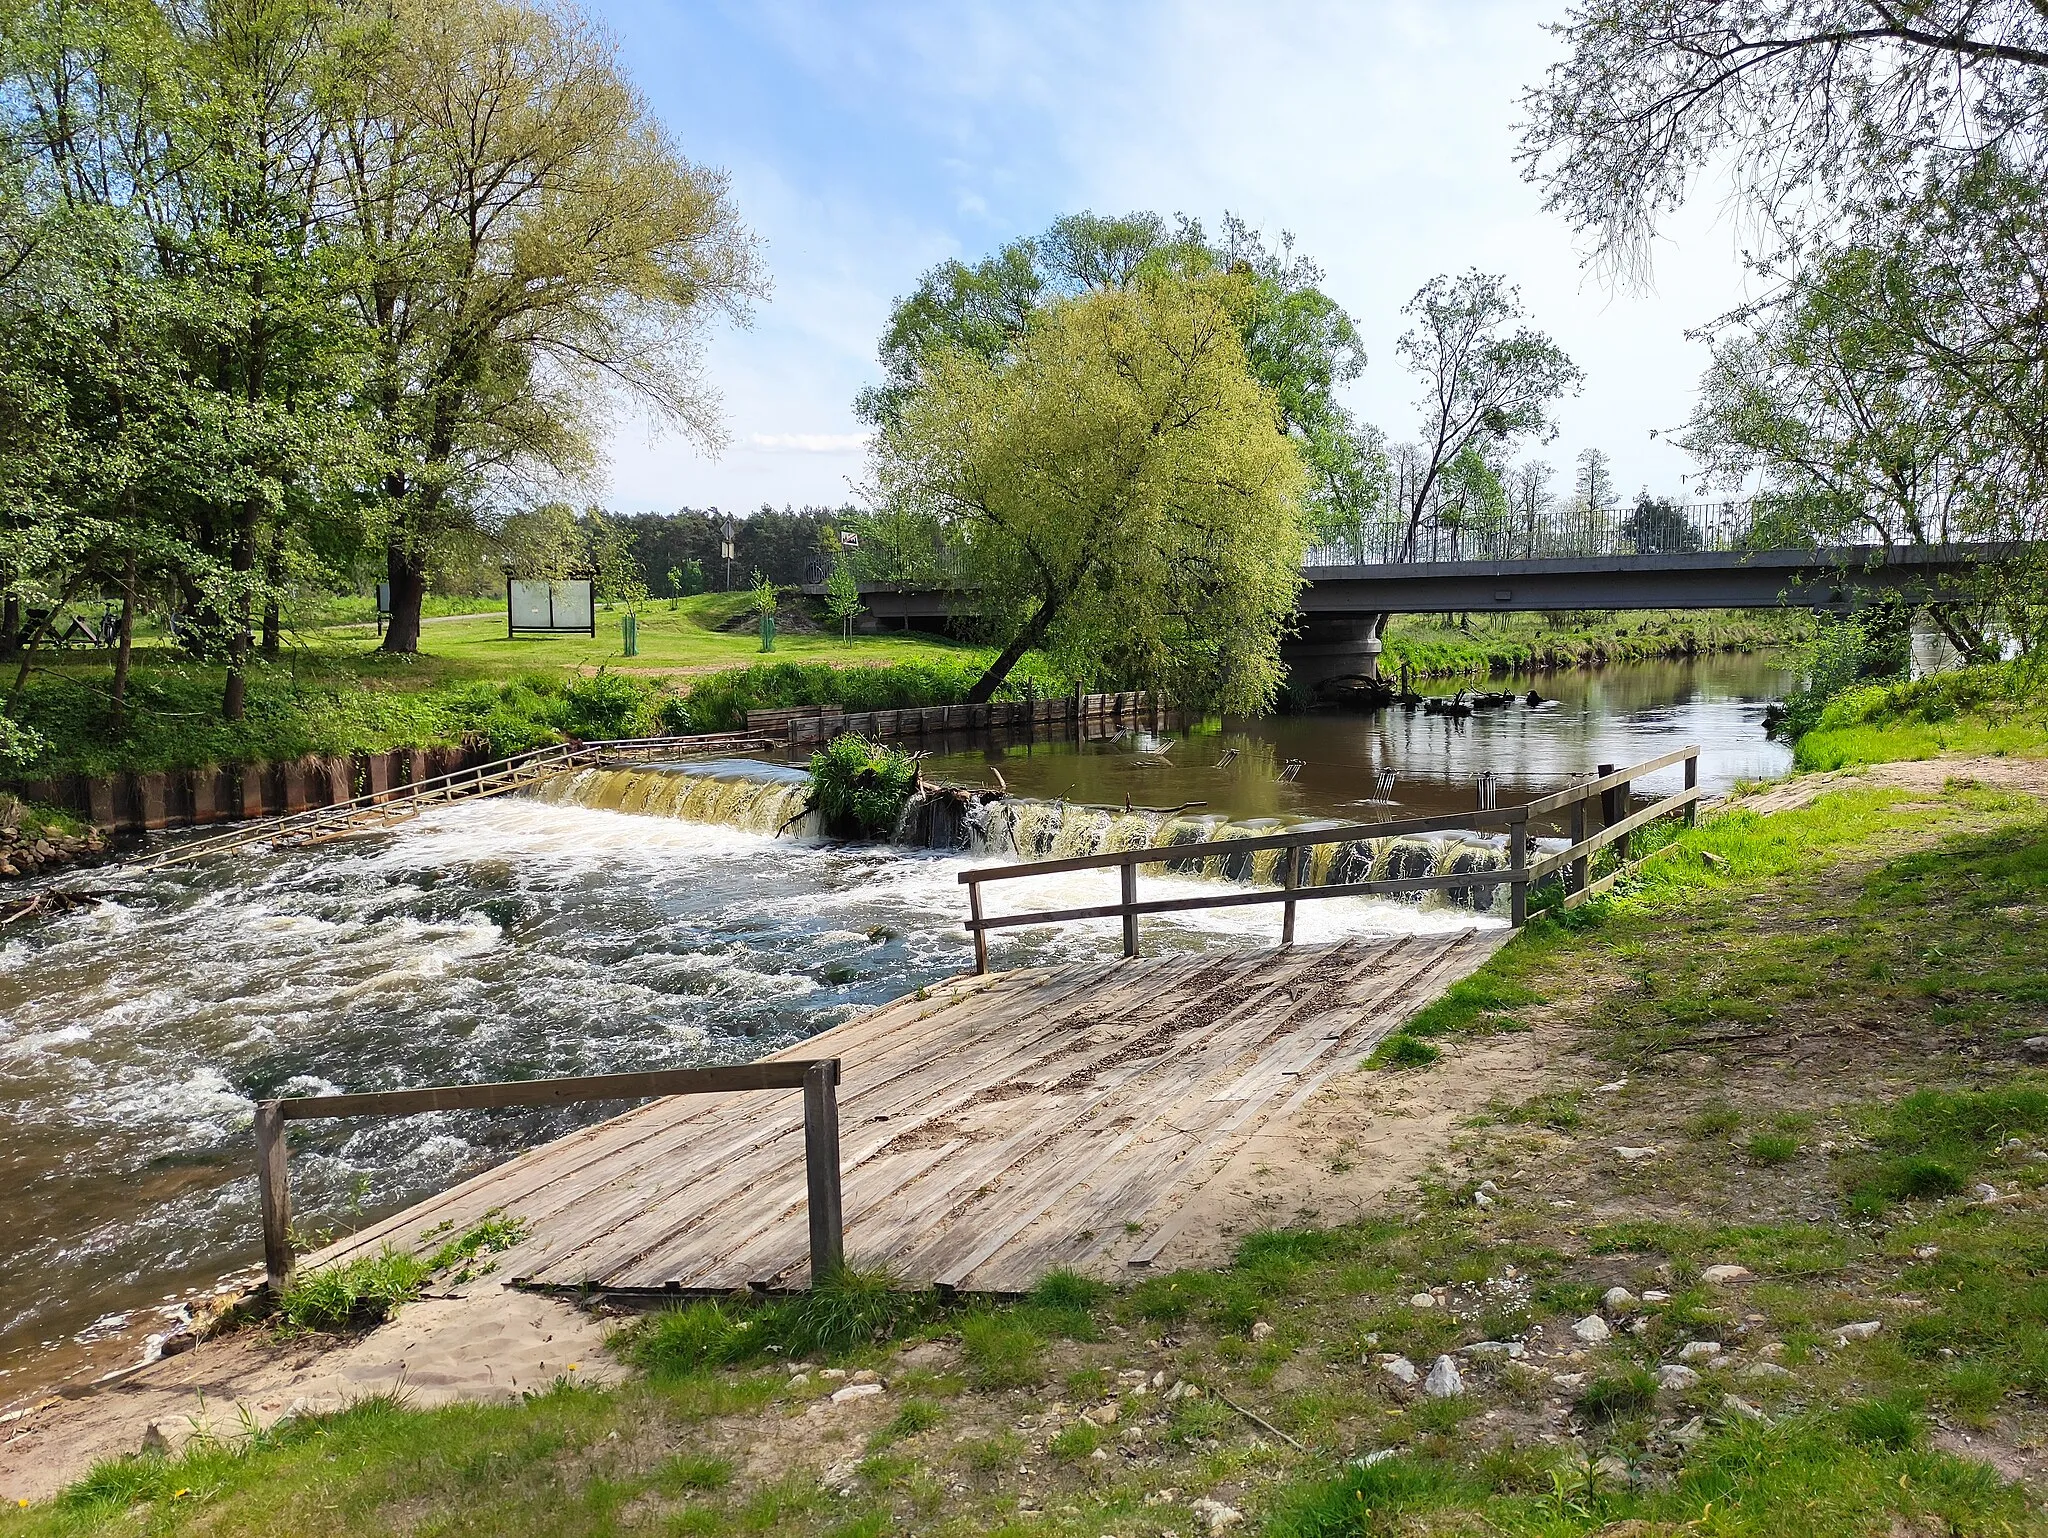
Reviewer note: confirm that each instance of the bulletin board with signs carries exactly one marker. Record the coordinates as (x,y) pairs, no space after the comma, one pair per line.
(567,606)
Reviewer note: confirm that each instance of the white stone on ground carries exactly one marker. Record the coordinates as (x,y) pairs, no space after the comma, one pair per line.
(1696,1350)
(1592,1330)
(1443,1381)
(1725,1274)
(1673,1377)
(1400,1369)
(1618,1300)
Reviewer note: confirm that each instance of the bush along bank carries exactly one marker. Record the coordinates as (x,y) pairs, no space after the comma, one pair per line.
(1446,651)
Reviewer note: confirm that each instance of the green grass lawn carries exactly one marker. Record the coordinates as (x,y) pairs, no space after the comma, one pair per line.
(1816,1034)
(1437,646)
(680,635)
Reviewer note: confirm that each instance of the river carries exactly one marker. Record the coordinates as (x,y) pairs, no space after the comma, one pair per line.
(521,937)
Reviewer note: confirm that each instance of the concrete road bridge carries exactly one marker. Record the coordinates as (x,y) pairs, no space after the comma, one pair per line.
(1705,556)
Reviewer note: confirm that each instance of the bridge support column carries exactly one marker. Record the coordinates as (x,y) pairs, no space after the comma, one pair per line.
(1332,646)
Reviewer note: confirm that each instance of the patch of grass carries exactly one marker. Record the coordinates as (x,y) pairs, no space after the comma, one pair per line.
(912,1417)
(686,1473)
(1884,1423)
(1002,1350)
(1365,1500)
(1075,1440)
(1773,1148)
(354,1295)
(1558,1109)
(1718,1120)
(985,1455)
(1068,1290)
(1615,1394)
(1402,1050)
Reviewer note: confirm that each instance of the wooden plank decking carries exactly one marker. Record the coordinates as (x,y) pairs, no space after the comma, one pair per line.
(995,1129)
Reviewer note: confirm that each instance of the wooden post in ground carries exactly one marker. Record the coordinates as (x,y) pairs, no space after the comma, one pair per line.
(1692,782)
(980,935)
(1583,865)
(1130,898)
(274,1195)
(1518,893)
(1289,878)
(821,1168)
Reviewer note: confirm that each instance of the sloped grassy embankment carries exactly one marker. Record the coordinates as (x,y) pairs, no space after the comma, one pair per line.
(1797,1047)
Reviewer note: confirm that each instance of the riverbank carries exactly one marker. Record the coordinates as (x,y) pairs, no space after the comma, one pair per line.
(1747,1092)
(1492,644)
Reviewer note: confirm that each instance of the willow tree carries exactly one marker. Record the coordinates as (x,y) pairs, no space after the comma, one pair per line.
(530,245)
(1116,490)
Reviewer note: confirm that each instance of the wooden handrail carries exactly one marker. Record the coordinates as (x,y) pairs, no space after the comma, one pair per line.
(1604,793)
(1298,838)
(817,1077)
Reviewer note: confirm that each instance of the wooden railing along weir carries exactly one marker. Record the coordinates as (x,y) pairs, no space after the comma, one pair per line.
(1605,795)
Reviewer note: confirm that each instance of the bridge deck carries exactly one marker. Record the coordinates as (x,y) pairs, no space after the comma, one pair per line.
(992,1130)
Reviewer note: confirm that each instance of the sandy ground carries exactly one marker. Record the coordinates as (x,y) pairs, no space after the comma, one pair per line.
(482,1341)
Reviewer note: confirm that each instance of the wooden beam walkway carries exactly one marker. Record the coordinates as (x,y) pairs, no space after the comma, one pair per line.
(993,1129)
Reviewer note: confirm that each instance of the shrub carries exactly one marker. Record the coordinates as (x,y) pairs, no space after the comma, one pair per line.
(861,786)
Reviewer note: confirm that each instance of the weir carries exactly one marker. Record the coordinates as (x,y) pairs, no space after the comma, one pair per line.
(773,800)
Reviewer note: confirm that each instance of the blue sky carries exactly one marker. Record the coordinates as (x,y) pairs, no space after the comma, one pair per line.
(867,142)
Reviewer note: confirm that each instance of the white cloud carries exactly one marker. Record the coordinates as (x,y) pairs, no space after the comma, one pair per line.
(868,141)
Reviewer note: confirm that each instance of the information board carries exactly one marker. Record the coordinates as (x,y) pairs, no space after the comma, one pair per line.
(564,607)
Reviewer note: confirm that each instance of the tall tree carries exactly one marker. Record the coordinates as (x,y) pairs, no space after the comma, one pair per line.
(1808,107)
(1300,343)
(1485,387)
(1115,489)
(530,245)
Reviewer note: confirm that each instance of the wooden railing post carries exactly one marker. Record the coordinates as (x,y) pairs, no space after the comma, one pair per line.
(274,1194)
(821,1168)
(1518,865)
(1692,782)
(1130,898)
(980,935)
(1289,879)
(1582,867)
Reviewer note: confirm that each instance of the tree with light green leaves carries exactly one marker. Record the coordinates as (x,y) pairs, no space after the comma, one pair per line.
(1298,341)
(1115,488)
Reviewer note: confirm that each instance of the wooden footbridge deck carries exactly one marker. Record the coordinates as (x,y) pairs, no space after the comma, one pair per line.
(992,1128)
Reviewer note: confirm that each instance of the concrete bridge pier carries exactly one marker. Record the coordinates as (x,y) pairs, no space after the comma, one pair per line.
(1332,646)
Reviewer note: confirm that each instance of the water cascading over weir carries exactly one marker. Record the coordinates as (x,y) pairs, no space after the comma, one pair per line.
(774,800)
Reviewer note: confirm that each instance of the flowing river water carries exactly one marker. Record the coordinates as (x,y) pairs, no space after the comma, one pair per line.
(541,935)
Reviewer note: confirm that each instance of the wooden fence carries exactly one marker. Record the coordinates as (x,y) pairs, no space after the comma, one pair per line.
(817,1077)
(1605,797)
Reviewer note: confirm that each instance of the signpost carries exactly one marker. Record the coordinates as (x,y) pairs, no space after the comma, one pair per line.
(729,533)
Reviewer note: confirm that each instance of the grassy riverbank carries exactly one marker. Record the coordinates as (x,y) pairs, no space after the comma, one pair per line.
(1433,647)
(1796,1046)
(2000,709)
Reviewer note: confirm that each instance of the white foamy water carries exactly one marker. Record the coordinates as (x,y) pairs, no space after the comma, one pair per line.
(503,938)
